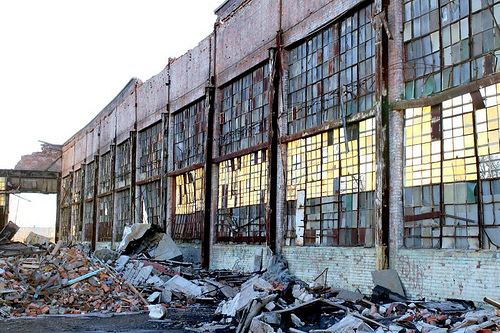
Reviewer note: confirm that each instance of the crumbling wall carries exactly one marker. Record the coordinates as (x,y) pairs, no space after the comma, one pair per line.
(49,159)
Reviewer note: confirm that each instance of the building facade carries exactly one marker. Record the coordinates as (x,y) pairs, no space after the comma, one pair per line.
(345,135)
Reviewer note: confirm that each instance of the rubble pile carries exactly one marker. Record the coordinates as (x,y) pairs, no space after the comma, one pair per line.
(62,282)
(271,306)
(148,272)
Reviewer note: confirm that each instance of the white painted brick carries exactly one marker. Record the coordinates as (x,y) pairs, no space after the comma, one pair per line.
(348,267)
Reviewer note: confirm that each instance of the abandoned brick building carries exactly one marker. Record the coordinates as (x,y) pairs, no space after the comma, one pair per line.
(348,135)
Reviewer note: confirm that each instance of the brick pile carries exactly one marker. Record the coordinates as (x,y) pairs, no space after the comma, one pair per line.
(67,282)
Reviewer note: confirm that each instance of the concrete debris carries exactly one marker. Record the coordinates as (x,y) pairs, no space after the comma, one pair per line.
(38,240)
(157,311)
(65,281)
(34,281)
(167,249)
(388,278)
(132,233)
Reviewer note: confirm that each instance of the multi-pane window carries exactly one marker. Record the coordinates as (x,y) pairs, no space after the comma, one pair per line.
(332,73)
(122,213)
(89,180)
(88,215)
(150,195)
(245,112)
(331,187)
(242,198)
(66,189)
(77,224)
(189,205)
(123,167)
(104,218)
(452,155)
(149,151)
(449,43)
(105,172)
(3,187)
(189,135)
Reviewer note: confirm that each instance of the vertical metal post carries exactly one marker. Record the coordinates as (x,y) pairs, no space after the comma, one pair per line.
(94,203)
(382,133)
(207,213)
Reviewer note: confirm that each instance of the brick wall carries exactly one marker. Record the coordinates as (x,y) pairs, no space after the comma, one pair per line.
(238,257)
(190,252)
(439,274)
(348,267)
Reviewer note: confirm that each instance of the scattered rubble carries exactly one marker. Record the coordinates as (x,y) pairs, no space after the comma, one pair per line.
(41,278)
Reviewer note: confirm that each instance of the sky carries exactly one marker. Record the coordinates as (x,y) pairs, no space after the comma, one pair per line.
(63,61)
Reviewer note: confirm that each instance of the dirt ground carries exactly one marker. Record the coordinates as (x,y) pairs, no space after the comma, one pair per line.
(175,322)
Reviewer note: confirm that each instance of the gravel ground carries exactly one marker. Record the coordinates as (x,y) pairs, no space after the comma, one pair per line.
(175,322)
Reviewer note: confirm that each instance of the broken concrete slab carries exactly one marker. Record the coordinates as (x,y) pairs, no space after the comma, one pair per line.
(184,286)
(167,250)
(36,239)
(350,295)
(388,278)
(121,262)
(251,289)
(154,296)
(350,324)
(131,233)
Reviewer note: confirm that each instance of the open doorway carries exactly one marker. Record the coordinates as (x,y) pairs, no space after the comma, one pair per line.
(33,212)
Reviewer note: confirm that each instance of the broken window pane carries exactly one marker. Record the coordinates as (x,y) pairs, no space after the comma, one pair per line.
(467,36)
(189,205)
(456,167)
(105,172)
(150,198)
(245,111)
(330,191)
(104,219)
(123,166)
(189,135)
(122,214)
(333,71)
(242,199)
(149,151)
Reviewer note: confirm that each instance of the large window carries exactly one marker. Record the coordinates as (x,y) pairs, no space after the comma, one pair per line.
(149,151)
(245,112)
(452,172)
(189,205)
(150,196)
(105,172)
(189,135)
(122,213)
(332,73)
(242,198)
(331,187)
(123,168)
(77,224)
(449,43)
